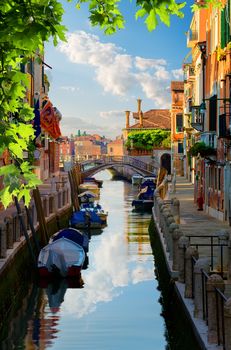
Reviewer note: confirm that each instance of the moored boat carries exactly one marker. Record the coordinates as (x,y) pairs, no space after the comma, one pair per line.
(99,183)
(86,219)
(62,257)
(89,186)
(136,179)
(145,198)
(73,235)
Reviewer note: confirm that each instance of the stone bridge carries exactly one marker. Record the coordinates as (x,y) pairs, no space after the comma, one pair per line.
(92,167)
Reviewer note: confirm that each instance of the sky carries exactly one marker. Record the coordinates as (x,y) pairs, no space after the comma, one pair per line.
(95,78)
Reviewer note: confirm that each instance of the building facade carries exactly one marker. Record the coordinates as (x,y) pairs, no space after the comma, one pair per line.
(208,109)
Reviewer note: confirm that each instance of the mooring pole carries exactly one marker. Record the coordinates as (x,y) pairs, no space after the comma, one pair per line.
(24,229)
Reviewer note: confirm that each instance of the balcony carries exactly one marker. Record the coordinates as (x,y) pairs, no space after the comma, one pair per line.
(189,73)
(192,38)
(209,138)
(197,120)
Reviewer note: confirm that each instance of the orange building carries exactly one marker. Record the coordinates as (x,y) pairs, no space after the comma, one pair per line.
(86,148)
(177,131)
(209,107)
(116,147)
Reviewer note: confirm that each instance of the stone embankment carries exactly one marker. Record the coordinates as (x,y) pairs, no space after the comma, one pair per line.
(197,254)
(55,208)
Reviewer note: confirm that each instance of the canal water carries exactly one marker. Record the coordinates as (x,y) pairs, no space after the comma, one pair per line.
(117,304)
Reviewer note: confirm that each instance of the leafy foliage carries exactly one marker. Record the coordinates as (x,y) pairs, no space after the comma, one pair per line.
(147,140)
(24,26)
(202,149)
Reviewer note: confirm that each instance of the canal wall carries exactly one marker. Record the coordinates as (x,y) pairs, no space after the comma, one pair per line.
(193,258)
(16,261)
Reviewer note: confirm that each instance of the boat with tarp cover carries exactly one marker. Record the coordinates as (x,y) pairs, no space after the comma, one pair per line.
(62,257)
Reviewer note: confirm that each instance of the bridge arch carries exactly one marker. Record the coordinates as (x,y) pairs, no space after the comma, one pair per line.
(138,166)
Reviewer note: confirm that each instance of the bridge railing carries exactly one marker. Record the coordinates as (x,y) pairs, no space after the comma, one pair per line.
(123,160)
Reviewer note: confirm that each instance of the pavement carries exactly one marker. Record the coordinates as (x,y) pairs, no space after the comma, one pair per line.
(192,220)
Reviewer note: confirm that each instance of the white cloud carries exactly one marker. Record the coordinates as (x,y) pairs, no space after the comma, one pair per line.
(69,88)
(119,73)
(177,74)
(105,281)
(147,63)
(155,89)
(70,125)
(112,114)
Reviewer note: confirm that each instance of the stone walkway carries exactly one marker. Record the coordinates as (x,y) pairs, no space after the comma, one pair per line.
(194,222)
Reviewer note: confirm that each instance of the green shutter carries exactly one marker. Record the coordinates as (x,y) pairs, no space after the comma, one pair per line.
(225,26)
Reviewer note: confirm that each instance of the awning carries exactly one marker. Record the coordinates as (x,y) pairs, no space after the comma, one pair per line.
(49,119)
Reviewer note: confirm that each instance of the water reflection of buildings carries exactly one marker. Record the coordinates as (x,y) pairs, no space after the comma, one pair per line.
(43,327)
(35,324)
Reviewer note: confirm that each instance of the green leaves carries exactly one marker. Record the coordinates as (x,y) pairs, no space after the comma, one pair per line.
(147,140)
(161,9)
(31,22)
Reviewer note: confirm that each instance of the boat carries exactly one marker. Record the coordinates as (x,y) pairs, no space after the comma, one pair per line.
(97,209)
(62,257)
(99,183)
(73,235)
(145,198)
(136,179)
(89,186)
(86,219)
(87,197)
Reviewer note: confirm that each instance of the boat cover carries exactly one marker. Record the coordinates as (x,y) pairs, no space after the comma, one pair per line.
(78,217)
(94,217)
(73,235)
(61,254)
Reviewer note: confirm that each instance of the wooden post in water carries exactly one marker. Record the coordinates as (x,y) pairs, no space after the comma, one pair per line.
(41,217)
(24,229)
(74,189)
(32,229)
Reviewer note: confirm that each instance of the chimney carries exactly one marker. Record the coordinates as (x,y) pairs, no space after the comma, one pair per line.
(141,118)
(127,119)
(140,113)
(139,105)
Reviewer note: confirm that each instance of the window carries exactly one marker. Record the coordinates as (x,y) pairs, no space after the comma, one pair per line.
(213,113)
(180,147)
(179,123)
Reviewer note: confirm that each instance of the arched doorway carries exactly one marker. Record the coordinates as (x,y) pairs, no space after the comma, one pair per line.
(165,162)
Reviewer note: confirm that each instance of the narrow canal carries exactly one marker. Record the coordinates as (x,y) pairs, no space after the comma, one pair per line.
(118,305)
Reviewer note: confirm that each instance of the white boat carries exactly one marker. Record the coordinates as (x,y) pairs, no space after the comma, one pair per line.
(136,179)
(89,186)
(61,257)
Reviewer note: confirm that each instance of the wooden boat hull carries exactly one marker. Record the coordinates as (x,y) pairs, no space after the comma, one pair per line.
(143,205)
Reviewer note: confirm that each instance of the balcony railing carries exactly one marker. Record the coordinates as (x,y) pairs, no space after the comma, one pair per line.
(192,38)
(197,121)
(209,138)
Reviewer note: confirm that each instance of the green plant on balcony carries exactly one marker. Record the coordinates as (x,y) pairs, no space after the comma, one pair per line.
(202,149)
(221,53)
(147,140)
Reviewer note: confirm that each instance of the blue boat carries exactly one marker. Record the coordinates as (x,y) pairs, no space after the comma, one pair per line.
(86,219)
(145,200)
(73,235)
